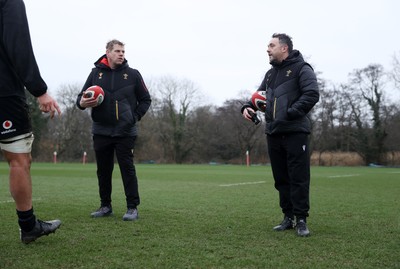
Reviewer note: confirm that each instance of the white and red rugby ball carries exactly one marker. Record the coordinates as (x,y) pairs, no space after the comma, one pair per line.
(259,100)
(95,91)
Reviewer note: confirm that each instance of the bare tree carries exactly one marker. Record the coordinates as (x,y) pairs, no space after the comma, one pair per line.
(325,120)
(177,97)
(180,128)
(238,135)
(366,102)
(203,128)
(148,148)
(395,74)
(70,136)
(39,121)
(392,141)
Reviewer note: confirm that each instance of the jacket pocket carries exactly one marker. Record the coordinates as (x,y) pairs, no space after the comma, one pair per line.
(280,108)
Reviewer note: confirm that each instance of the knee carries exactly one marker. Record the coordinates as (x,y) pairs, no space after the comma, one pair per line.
(19,160)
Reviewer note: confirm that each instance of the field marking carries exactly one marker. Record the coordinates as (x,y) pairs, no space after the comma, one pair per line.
(12,201)
(242,183)
(338,176)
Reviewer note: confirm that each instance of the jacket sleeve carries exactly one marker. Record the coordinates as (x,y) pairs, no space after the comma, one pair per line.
(309,94)
(18,47)
(263,87)
(142,96)
(88,83)
(246,105)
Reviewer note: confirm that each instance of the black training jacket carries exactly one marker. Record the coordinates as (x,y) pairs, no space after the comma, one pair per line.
(126,99)
(292,91)
(18,67)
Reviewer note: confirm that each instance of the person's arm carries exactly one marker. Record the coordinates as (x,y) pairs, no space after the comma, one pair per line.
(308,85)
(18,47)
(83,102)
(142,96)
(48,105)
(248,110)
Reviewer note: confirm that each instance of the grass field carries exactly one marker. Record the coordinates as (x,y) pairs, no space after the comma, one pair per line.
(200,216)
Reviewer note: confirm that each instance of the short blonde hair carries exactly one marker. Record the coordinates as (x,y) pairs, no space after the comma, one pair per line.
(110,44)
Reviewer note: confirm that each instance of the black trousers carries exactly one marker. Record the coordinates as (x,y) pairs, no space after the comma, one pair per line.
(290,162)
(105,147)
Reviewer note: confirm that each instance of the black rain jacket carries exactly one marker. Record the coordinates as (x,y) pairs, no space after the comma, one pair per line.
(126,99)
(292,91)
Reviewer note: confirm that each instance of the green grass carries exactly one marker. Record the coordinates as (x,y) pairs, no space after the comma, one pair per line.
(194,216)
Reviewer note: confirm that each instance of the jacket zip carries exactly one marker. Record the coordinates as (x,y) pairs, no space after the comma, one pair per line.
(116,109)
(274,112)
(116,101)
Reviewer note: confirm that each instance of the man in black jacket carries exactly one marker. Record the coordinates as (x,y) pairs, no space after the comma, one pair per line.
(19,71)
(126,100)
(292,91)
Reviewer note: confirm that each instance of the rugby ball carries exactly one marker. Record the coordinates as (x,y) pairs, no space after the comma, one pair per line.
(96,92)
(259,100)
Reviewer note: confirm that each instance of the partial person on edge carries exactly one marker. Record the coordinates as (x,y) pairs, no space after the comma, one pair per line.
(19,71)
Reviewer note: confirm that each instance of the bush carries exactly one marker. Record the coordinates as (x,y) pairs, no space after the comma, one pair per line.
(348,158)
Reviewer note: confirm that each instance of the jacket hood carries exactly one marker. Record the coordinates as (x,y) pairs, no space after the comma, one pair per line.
(102,62)
(294,56)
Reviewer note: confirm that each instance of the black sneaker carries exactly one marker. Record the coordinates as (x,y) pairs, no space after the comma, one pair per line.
(286,224)
(41,228)
(131,214)
(301,228)
(103,211)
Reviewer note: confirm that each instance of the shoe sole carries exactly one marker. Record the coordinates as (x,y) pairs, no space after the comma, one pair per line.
(303,235)
(34,239)
(129,219)
(280,229)
(102,216)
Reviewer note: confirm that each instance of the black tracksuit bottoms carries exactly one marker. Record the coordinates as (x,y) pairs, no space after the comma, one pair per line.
(104,147)
(290,162)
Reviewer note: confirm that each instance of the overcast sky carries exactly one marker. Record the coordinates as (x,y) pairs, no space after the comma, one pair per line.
(220,45)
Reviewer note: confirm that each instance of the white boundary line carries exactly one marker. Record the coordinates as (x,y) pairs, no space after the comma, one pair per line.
(12,201)
(242,183)
(338,176)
